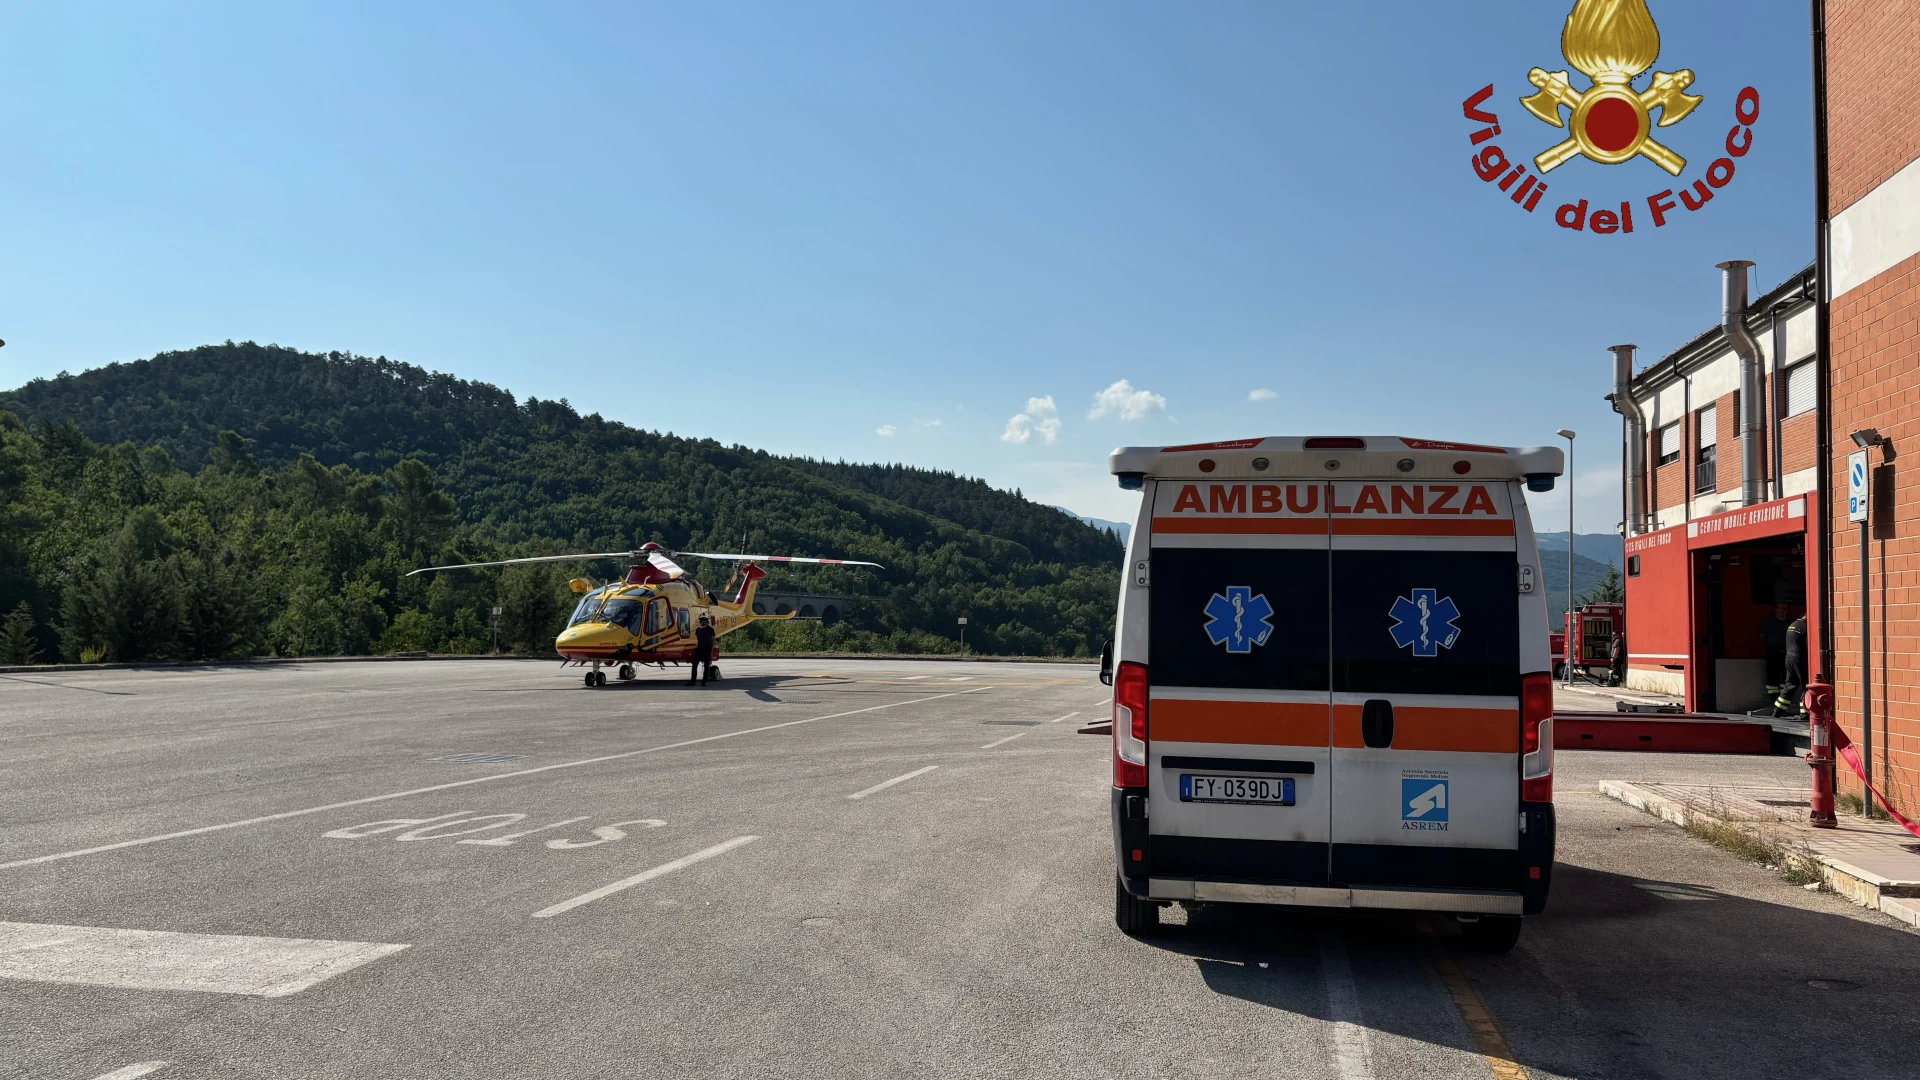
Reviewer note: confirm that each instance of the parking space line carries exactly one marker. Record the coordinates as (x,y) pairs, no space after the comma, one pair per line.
(1480,1024)
(1352,1059)
(1000,742)
(1069,716)
(884,785)
(644,876)
(285,814)
(911,678)
(132,1071)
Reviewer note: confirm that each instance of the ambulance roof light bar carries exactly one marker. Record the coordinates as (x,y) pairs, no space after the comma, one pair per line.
(1393,457)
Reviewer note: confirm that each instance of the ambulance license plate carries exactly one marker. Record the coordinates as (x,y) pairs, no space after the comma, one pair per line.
(1265,790)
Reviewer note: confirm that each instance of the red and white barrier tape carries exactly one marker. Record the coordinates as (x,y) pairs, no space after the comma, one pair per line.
(1843,746)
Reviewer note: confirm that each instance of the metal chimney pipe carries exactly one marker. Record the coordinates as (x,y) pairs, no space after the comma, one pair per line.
(1634,428)
(1733,322)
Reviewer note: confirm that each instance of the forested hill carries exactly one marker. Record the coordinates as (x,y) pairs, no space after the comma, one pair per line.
(273,436)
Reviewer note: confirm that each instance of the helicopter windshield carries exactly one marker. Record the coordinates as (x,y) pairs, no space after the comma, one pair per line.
(585,608)
(623,611)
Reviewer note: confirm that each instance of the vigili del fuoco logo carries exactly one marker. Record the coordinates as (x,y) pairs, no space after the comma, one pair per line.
(1613,43)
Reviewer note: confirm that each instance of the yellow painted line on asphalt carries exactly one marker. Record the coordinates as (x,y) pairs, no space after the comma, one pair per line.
(1480,1023)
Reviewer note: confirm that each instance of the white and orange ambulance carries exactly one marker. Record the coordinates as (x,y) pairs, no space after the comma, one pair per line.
(1331,680)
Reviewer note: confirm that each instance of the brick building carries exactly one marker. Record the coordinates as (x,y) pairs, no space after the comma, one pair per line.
(1867,172)
(1729,513)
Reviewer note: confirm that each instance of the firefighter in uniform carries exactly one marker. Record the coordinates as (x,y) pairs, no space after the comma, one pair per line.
(1791,691)
(702,652)
(1773,636)
(1617,660)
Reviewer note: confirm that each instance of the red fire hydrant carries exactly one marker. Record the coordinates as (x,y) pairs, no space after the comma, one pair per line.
(1820,753)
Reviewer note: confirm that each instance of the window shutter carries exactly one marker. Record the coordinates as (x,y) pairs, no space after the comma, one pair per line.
(1709,420)
(1801,388)
(1669,441)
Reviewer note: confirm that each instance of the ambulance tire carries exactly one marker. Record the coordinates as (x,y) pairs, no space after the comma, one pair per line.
(1492,933)
(1134,916)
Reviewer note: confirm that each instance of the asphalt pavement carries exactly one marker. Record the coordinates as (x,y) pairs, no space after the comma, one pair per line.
(811,869)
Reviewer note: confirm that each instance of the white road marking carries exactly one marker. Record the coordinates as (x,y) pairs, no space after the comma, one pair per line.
(130,1072)
(166,960)
(884,785)
(1069,716)
(960,678)
(1000,742)
(285,814)
(507,840)
(1352,1059)
(643,876)
(910,678)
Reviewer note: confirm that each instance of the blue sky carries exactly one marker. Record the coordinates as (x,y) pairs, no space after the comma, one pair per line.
(877,231)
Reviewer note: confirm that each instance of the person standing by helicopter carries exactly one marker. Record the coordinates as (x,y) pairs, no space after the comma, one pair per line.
(702,652)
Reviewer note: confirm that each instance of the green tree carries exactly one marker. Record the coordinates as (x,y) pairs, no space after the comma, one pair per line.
(129,606)
(16,636)
(533,608)
(421,512)
(1608,590)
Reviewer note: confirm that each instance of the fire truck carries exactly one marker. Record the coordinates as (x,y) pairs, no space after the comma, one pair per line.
(1590,627)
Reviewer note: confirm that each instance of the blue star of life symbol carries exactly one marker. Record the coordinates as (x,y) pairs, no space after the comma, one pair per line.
(1238,619)
(1424,622)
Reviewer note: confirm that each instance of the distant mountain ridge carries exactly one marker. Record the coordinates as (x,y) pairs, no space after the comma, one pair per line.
(538,476)
(1120,528)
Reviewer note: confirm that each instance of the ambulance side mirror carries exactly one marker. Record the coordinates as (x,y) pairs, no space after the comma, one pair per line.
(1106,663)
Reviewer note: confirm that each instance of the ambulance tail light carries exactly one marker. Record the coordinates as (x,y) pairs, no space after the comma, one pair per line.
(1330,442)
(1536,738)
(1130,725)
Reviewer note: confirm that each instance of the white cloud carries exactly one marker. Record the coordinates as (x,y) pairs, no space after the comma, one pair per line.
(1041,418)
(885,431)
(1123,401)
(1262,394)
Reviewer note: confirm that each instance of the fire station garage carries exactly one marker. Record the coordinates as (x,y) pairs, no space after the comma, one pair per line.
(1708,602)
(1721,515)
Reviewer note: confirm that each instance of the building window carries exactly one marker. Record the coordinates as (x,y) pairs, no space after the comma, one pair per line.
(1802,387)
(1670,443)
(1707,423)
(1633,566)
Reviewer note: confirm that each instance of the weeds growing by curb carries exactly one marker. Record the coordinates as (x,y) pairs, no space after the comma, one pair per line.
(1718,826)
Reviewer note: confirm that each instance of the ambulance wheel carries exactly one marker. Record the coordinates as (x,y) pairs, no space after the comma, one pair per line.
(1133,915)
(626,672)
(1492,933)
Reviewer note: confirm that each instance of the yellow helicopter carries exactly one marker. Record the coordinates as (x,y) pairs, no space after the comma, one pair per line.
(648,617)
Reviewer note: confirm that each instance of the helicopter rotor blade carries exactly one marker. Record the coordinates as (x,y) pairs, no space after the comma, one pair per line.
(663,564)
(777,559)
(532,559)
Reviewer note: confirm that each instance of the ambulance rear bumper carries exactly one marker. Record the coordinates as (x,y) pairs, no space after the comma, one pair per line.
(1322,896)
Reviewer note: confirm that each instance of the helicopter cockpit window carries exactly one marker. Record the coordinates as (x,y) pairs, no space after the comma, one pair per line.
(655,616)
(585,608)
(623,611)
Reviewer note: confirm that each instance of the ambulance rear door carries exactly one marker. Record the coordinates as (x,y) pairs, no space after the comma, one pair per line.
(1238,683)
(1425,672)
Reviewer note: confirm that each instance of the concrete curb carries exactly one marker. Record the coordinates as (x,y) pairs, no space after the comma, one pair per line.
(1896,899)
(260,661)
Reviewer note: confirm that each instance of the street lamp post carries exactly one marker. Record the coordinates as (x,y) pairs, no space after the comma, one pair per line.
(1566,621)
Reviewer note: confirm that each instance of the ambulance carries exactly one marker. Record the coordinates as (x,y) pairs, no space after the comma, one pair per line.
(1331,685)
